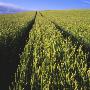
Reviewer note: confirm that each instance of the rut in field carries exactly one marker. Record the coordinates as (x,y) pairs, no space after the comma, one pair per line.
(10,56)
(75,41)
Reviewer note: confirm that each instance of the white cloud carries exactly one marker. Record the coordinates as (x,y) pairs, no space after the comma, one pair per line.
(86,2)
(10,5)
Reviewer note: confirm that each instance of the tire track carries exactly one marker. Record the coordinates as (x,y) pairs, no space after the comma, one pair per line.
(74,40)
(7,69)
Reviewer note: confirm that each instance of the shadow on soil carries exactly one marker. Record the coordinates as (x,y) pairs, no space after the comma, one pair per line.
(10,56)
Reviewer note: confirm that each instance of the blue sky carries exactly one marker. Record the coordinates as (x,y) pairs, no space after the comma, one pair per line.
(47,4)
